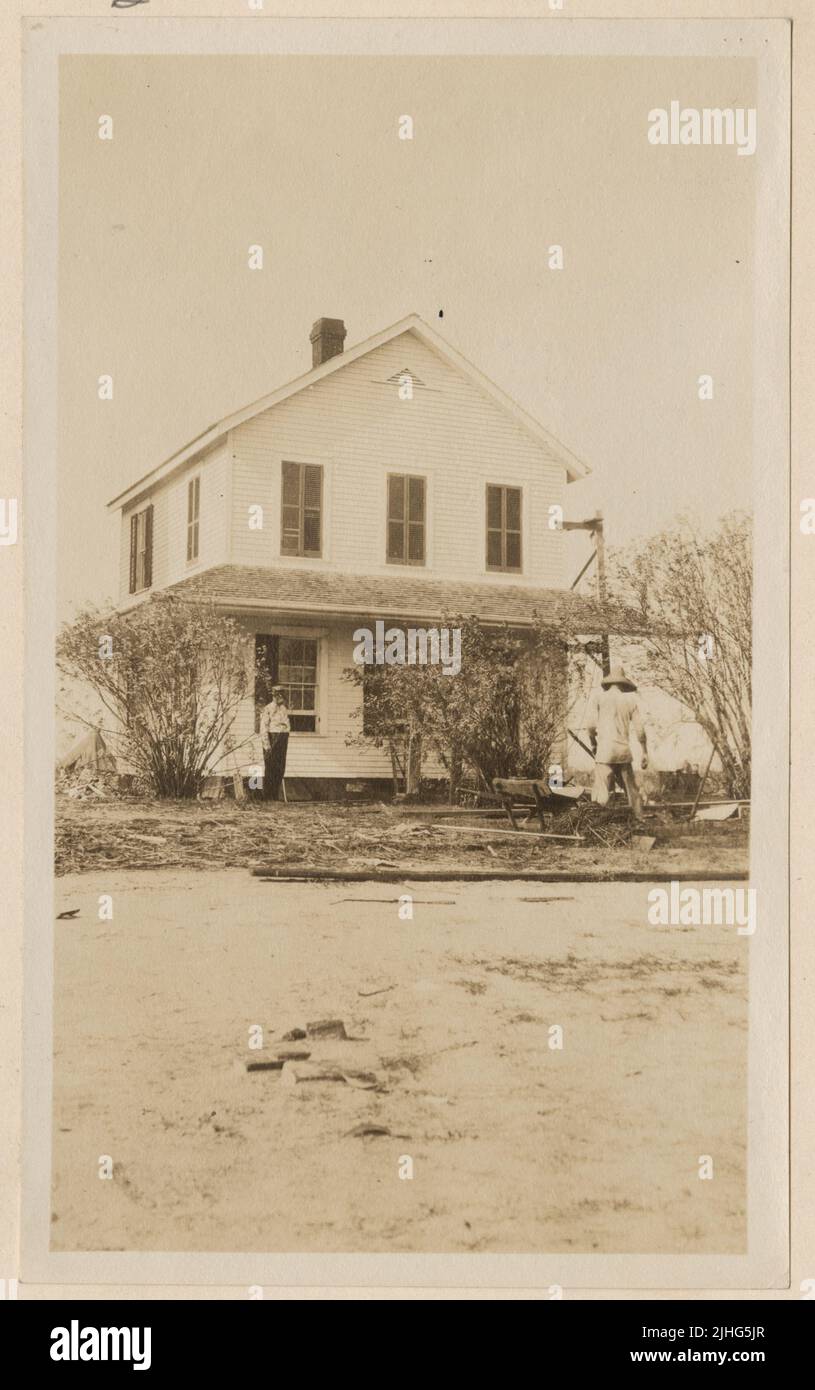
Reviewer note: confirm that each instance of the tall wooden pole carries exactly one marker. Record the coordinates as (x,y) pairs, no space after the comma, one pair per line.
(602,590)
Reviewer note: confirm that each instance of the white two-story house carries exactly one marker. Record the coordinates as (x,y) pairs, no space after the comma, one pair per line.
(391,481)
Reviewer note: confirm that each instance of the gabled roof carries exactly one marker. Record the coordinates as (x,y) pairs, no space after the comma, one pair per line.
(575,468)
(244,588)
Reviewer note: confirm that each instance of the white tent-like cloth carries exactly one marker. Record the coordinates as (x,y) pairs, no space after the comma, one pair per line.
(88,753)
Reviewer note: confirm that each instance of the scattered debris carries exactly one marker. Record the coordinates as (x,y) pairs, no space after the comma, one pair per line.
(547,900)
(526,834)
(326,1028)
(63,916)
(294,1035)
(88,782)
(277,1063)
(295,1073)
(336,902)
(610,825)
(363,1080)
(723,812)
(627,1018)
(304,842)
(369,993)
(363,1131)
(421,902)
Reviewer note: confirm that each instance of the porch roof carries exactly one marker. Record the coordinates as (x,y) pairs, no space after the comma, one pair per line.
(324,592)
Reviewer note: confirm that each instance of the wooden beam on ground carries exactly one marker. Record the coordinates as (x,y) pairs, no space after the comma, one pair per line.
(679,805)
(514,834)
(438,812)
(302,873)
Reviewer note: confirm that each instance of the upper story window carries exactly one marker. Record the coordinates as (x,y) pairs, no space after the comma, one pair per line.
(141,550)
(193,514)
(503,528)
(406,519)
(301,508)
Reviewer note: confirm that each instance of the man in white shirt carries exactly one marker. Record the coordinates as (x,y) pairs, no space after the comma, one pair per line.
(274,736)
(614,714)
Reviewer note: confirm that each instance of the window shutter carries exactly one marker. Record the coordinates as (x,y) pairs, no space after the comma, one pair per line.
(396,517)
(494,518)
(406,519)
(312,508)
(503,528)
(133,541)
(148,547)
(415,521)
(301,509)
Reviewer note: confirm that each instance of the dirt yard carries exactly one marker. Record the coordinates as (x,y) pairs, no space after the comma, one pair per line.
(515,1145)
(106,835)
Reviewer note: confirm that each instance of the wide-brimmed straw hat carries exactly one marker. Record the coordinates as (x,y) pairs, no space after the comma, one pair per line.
(617,676)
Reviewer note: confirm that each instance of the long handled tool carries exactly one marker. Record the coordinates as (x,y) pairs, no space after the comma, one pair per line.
(700,788)
(583,745)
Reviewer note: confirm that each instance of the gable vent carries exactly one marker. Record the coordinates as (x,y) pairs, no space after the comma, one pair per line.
(398,378)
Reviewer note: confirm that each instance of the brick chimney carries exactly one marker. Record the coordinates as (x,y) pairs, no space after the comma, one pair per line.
(327,337)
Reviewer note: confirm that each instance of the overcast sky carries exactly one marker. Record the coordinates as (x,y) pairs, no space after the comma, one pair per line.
(301,155)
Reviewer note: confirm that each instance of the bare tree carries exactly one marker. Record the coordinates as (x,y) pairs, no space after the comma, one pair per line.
(171,675)
(694,593)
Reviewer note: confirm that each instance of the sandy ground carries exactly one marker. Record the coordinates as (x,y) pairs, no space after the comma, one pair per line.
(515,1146)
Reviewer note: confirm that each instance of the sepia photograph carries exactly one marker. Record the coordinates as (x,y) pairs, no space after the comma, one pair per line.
(416,756)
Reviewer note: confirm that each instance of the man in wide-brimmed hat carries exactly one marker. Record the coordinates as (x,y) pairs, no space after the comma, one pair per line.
(615,713)
(274,736)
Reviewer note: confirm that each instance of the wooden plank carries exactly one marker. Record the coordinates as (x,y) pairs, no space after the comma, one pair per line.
(303,873)
(448,812)
(678,805)
(525,834)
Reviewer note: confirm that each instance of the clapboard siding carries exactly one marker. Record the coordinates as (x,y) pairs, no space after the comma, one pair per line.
(170,523)
(354,423)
